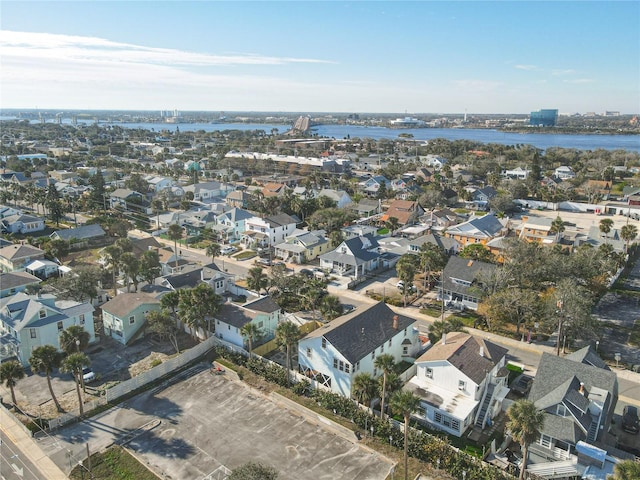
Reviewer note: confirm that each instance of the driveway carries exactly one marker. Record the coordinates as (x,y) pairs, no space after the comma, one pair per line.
(205,423)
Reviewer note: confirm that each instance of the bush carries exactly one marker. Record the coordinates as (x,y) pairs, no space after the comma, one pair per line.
(155,362)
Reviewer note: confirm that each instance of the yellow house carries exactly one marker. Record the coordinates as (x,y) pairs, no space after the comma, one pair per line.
(302,247)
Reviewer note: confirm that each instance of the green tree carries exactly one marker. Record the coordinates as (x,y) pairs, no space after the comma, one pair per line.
(150,267)
(557,226)
(175,233)
(251,332)
(385,363)
(330,307)
(79,285)
(97,197)
(10,373)
(432,259)
(54,204)
(606,224)
(524,423)
(213,250)
(158,206)
(74,364)
(477,251)
(364,388)
(45,359)
(253,471)
(392,224)
(163,325)
(440,327)
(57,249)
(74,338)
(628,233)
(197,306)
(112,255)
(287,335)
(136,183)
(405,403)
(626,470)
(131,268)
(257,279)
(406,269)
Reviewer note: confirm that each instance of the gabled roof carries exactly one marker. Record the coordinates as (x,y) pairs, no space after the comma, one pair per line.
(80,233)
(280,220)
(16,279)
(141,245)
(487,226)
(19,251)
(463,269)
(587,356)
(122,304)
(358,334)
(264,304)
(473,356)
(123,193)
(236,215)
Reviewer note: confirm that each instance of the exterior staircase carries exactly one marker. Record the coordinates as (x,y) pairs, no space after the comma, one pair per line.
(592,434)
(484,408)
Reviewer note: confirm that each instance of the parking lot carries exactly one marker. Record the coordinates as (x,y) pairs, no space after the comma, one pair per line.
(206,423)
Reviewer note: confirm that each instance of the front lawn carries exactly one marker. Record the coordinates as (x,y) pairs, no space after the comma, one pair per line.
(115,463)
(245,254)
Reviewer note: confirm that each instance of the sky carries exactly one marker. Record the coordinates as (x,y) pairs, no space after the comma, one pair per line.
(321,56)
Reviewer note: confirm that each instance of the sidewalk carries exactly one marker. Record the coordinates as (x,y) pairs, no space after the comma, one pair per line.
(30,449)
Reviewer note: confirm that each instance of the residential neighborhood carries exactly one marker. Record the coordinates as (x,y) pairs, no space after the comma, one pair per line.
(348,280)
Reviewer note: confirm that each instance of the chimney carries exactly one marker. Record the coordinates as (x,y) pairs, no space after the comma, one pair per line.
(481,351)
(395,322)
(581,388)
(444,339)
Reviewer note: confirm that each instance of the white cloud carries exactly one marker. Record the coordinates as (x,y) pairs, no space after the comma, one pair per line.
(566,71)
(526,67)
(580,80)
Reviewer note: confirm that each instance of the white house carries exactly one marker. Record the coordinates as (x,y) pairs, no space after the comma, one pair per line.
(338,351)
(31,321)
(232,223)
(461,381)
(517,173)
(564,172)
(434,161)
(268,231)
(22,223)
(204,192)
(341,197)
(354,257)
(229,320)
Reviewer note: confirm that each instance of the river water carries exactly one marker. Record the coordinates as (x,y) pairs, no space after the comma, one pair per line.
(538,140)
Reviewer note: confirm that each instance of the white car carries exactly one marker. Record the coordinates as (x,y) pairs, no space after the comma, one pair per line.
(88,375)
(228,250)
(400,285)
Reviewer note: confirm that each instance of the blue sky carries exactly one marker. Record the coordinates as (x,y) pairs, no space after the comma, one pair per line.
(311,56)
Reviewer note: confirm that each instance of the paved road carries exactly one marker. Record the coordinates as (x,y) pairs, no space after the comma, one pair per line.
(13,463)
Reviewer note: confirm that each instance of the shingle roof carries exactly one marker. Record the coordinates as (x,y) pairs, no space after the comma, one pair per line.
(19,251)
(16,279)
(463,269)
(463,352)
(124,303)
(80,233)
(358,334)
(264,304)
(587,356)
(235,315)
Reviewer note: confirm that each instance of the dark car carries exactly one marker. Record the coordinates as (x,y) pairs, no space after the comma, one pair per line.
(522,384)
(630,422)
(306,272)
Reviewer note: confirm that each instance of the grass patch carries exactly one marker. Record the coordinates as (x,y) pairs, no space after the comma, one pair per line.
(431,311)
(245,254)
(115,463)
(383,231)
(467,318)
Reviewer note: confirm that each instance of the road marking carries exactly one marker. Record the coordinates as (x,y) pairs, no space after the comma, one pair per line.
(17,471)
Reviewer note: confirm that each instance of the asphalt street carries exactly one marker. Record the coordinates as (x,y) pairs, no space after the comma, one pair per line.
(13,464)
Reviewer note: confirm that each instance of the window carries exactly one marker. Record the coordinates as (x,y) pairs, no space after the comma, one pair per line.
(357,367)
(373,355)
(428,372)
(405,332)
(375,372)
(60,326)
(382,348)
(32,332)
(347,368)
(309,352)
(390,342)
(82,319)
(341,366)
(545,441)
(462,385)
(132,320)
(561,410)
(405,350)
(324,342)
(43,313)
(335,363)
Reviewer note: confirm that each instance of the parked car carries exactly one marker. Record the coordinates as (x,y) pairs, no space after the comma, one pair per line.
(264,261)
(228,250)
(400,285)
(522,384)
(306,272)
(88,375)
(630,422)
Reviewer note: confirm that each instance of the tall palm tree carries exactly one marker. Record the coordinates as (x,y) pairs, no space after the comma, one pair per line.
(287,334)
(70,336)
(175,233)
(74,364)
(626,470)
(131,267)
(330,307)
(257,279)
(405,403)
(406,270)
(112,255)
(385,363)
(157,206)
(45,359)
(432,258)
(606,224)
(252,332)
(557,226)
(213,250)
(628,233)
(524,422)
(10,373)
(364,388)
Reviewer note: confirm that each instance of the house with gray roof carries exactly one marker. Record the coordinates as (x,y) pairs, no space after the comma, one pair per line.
(22,223)
(124,316)
(31,321)
(354,257)
(302,247)
(578,395)
(193,275)
(14,282)
(83,235)
(16,257)
(459,277)
(478,229)
(264,313)
(461,382)
(231,224)
(335,353)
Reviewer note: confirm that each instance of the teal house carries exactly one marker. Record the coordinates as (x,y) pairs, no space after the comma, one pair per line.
(123,317)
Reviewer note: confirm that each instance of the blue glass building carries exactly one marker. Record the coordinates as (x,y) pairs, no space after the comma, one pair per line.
(544,118)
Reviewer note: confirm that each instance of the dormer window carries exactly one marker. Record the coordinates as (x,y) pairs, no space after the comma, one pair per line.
(43,313)
(561,410)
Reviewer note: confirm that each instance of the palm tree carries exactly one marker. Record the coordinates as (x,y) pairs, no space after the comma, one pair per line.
(524,422)
(10,373)
(385,363)
(432,258)
(392,224)
(406,403)
(74,364)
(606,224)
(157,206)
(213,250)
(557,226)
(330,307)
(74,339)
(45,359)
(364,388)
(252,332)
(131,267)
(628,233)
(406,270)
(112,255)
(175,233)
(287,334)
(626,470)
(257,279)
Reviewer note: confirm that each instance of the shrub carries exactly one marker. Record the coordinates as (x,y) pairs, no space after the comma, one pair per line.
(155,362)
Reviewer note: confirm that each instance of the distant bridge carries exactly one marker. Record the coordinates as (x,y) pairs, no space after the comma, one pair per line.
(302,124)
